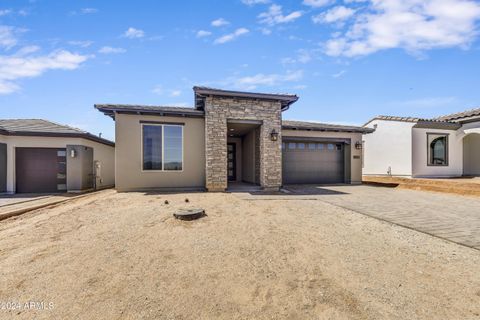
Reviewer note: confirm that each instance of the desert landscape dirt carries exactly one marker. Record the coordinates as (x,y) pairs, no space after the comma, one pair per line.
(123,256)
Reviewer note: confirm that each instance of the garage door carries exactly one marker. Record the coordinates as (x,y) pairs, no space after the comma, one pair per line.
(40,170)
(313,162)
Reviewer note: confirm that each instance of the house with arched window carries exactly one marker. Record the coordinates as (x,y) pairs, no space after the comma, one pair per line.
(446,146)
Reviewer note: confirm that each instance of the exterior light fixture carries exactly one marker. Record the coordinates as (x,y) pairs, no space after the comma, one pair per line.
(358,145)
(73,153)
(274,135)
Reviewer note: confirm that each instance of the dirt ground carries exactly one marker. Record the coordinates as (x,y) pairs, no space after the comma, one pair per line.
(123,256)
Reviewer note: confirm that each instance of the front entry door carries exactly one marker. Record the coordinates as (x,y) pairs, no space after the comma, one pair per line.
(231,162)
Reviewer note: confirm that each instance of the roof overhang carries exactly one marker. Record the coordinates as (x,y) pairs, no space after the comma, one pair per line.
(111,110)
(331,128)
(202,92)
(87,135)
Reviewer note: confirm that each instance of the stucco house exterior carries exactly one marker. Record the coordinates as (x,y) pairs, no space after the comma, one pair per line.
(229,137)
(446,146)
(40,156)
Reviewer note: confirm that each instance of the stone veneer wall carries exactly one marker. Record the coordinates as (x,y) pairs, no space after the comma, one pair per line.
(220,109)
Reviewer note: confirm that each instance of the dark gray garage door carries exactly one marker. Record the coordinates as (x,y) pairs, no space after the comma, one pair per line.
(313,162)
(39,170)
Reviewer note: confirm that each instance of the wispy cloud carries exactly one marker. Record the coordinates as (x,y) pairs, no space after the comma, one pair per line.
(175,93)
(231,36)
(8,38)
(133,33)
(219,22)
(317,3)
(111,50)
(81,43)
(22,65)
(262,80)
(427,102)
(4,12)
(88,10)
(254,2)
(274,16)
(302,56)
(339,74)
(203,33)
(415,26)
(336,14)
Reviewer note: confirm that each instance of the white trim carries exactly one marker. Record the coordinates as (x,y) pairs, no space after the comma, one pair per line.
(163,147)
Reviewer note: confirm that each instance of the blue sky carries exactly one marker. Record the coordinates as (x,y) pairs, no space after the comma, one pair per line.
(347,60)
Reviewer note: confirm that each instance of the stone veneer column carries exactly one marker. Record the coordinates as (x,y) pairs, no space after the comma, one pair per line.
(217,111)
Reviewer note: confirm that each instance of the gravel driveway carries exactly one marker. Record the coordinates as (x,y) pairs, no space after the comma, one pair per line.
(448,216)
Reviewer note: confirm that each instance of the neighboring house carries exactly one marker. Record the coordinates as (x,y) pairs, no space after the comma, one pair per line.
(447,146)
(228,137)
(38,156)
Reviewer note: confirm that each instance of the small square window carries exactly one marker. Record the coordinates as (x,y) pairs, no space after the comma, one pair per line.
(291,145)
(330,146)
(311,146)
(301,146)
(320,146)
(61,153)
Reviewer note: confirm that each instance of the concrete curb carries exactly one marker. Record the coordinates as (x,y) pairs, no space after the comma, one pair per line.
(20,211)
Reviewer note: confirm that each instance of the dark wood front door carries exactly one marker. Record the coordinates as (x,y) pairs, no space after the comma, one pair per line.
(40,170)
(231,162)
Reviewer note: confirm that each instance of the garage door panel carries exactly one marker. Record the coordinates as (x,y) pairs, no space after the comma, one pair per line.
(39,170)
(322,164)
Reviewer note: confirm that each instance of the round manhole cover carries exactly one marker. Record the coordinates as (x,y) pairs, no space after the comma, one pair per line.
(189,214)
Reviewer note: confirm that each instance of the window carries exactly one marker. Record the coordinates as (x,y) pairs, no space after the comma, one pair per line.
(311,146)
(330,146)
(320,146)
(162,147)
(291,145)
(437,149)
(301,145)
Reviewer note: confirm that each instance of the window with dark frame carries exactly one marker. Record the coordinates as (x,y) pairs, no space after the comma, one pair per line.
(437,145)
(162,147)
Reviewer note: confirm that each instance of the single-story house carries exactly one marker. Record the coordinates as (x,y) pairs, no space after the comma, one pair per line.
(39,156)
(228,137)
(446,146)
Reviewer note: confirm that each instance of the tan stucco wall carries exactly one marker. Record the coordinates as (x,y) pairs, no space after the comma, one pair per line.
(355,164)
(471,155)
(128,155)
(102,153)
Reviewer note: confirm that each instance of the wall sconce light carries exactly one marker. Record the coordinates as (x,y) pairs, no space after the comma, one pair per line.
(73,153)
(358,145)
(274,135)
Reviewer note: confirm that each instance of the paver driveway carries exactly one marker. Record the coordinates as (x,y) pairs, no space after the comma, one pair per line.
(452,217)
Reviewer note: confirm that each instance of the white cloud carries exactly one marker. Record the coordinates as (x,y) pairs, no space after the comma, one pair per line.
(83,44)
(254,2)
(7,37)
(219,22)
(133,33)
(274,16)
(5,12)
(335,14)
(339,74)
(413,25)
(203,33)
(19,66)
(158,89)
(175,93)
(266,31)
(88,10)
(111,50)
(426,102)
(231,36)
(263,80)
(316,3)
(303,56)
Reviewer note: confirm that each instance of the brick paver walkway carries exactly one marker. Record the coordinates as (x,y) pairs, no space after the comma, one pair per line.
(452,217)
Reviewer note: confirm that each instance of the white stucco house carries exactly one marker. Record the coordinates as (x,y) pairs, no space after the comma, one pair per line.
(446,146)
